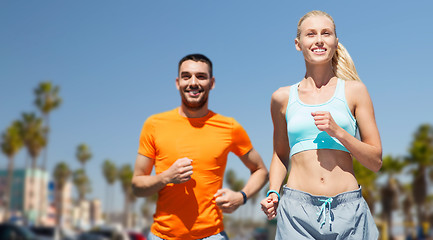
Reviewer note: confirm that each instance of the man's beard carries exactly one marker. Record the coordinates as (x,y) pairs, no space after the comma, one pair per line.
(194,106)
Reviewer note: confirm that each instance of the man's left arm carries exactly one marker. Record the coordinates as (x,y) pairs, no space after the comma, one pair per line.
(227,200)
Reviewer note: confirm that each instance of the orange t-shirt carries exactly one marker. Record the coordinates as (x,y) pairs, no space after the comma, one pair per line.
(188,210)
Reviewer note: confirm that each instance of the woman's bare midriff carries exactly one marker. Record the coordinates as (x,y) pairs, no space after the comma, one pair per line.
(322,172)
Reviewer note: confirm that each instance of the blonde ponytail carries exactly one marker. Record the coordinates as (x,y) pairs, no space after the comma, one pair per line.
(343,65)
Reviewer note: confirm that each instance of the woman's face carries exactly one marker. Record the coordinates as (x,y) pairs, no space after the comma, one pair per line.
(317,40)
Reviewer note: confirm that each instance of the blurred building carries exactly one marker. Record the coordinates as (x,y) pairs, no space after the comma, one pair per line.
(29,193)
(95,212)
(35,197)
(80,215)
(63,200)
(87,213)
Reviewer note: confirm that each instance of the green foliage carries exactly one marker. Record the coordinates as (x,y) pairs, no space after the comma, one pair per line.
(234,183)
(109,171)
(421,155)
(230,177)
(83,153)
(32,133)
(61,174)
(421,148)
(366,178)
(47,97)
(125,176)
(12,141)
(392,165)
(81,182)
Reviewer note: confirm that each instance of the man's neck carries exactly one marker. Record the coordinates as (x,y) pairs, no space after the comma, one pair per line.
(193,113)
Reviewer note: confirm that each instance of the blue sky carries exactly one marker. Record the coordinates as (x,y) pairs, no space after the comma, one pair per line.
(116,64)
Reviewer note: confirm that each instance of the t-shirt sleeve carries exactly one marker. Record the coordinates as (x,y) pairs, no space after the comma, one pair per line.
(146,145)
(241,143)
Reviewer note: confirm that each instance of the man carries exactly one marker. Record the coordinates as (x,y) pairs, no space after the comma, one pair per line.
(188,147)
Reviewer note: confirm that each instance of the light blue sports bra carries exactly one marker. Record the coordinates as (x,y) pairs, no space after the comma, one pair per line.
(303,133)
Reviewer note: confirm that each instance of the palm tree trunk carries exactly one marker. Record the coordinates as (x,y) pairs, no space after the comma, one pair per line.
(27,161)
(106,203)
(420,193)
(8,187)
(126,211)
(80,212)
(44,161)
(112,200)
(132,215)
(42,188)
(42,196)
(32,183)
(59,205)
(389,221)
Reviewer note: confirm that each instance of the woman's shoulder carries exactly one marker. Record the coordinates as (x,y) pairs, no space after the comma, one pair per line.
(281,94)
(355,86)
(356,92)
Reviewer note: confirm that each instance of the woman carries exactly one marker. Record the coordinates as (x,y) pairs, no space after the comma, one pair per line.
(315,122)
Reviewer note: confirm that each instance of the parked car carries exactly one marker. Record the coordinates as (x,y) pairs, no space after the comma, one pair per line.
(90,236)
(110,232)
(49,233)
(136,236)
(11,231)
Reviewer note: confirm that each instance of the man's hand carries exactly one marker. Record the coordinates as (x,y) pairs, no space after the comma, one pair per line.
(227,200)
(180,171)
(270,205)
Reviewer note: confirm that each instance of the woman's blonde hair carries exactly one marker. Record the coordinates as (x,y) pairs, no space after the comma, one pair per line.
(342,63)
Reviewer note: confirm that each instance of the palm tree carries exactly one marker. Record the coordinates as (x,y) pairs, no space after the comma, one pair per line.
(82,184)
(61,175)
(144,210)
(230,177)
(366,178)
(47,99)
(390,192)
(83,154)
(125,176)
(33,135)
(110,173)
(253,203)
(132,199)
(234,183)
(407,203)
(11,143)
(421,154)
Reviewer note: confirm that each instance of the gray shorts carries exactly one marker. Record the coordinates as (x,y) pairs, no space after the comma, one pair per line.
(301,215)
(219,236)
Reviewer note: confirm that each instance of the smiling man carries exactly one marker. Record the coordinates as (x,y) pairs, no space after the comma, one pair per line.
(189,146)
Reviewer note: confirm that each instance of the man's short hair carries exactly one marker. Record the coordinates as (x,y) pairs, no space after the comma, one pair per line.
(197,57)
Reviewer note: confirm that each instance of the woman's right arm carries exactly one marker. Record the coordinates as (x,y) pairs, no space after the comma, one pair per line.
(280,156)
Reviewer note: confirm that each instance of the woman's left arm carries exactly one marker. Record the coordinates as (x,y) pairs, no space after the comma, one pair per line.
(368,151)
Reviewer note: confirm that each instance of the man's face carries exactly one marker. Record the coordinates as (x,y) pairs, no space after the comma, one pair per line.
(194,84)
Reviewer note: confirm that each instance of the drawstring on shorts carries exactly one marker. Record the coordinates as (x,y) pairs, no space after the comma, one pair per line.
(326,204)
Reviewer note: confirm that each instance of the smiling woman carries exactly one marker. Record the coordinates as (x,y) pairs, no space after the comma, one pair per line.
(315,122)
(323,30)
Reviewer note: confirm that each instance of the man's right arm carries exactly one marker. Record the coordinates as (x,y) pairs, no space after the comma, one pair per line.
(144,184)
